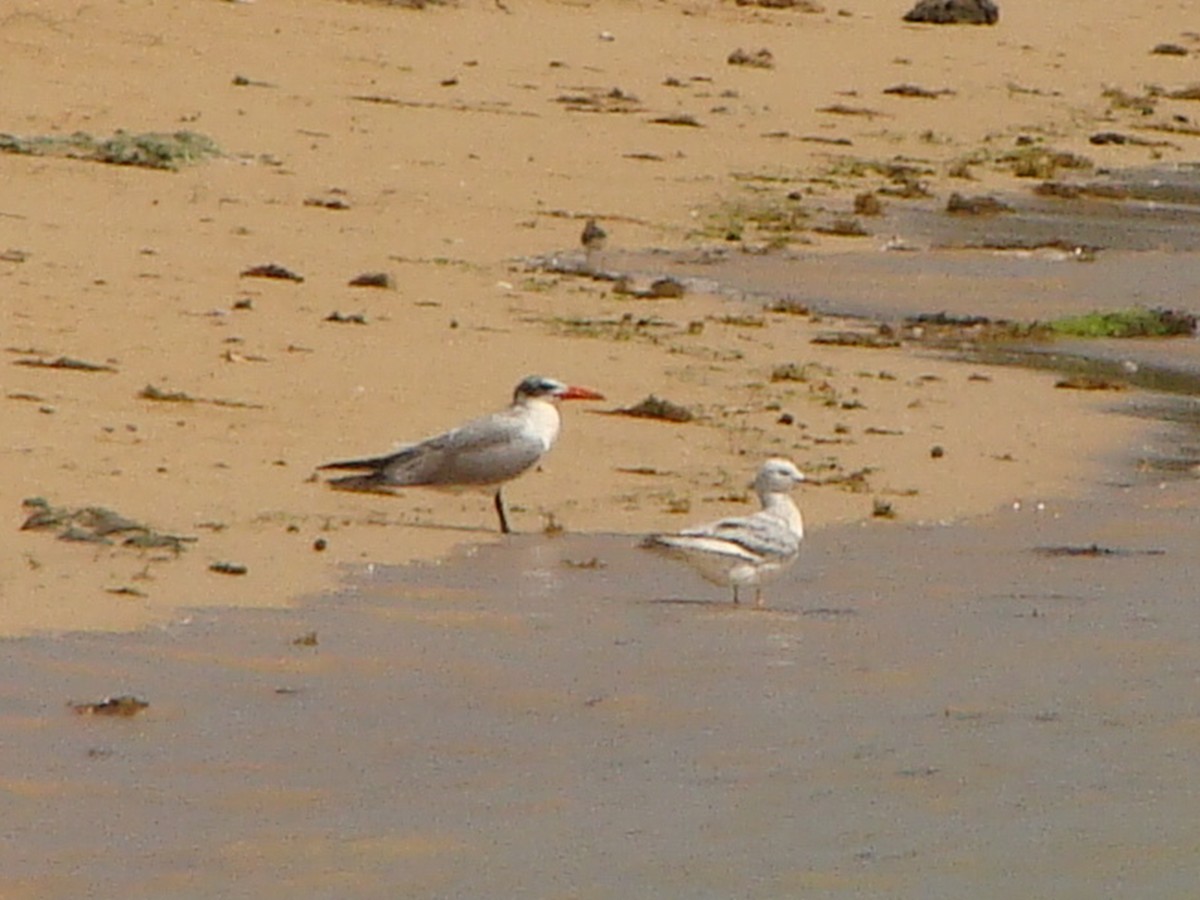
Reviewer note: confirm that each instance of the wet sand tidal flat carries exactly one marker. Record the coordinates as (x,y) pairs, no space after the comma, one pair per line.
(920,712)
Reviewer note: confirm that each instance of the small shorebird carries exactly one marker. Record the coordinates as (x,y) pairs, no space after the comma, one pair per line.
(745,550)
(594,238)
(482,454)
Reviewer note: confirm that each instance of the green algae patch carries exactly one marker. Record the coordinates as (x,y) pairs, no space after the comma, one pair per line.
(149,150)
(1126,323)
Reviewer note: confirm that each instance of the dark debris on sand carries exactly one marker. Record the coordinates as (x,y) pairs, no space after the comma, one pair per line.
(97,525)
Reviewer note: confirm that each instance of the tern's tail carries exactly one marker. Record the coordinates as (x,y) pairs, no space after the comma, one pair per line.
(373,482)
(374,464)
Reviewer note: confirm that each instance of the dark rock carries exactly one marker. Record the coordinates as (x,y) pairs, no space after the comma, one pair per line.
(1089,383)
(915,90)
(228,568)
(373,280)
(867,204)
(981,205)
(657,408)
(807,6)
(954,12)
(855,339)
(125,706)
(760,59)
(272,270)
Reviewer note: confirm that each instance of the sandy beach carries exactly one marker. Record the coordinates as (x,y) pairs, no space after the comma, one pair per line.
(441,147)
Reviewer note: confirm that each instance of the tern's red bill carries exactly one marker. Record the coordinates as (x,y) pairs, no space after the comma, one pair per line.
(580,393)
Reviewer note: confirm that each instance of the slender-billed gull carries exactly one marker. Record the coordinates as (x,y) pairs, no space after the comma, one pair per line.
(745,551)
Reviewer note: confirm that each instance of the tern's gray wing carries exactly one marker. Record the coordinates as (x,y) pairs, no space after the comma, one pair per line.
(489,450)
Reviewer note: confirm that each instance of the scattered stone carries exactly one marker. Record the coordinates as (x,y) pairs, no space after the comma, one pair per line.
(228,568)
(125,706)
(125,591)
(308,639)
(685,120)
(334,203)
(667,288)
(980,205)
(272,270)
(937,451)
(154,540)
(1191,92)
(320,544)
(593,562)
(656,408)
(915,90)
(1089,383)
(790,306)
(81,536)
(595,100)
(1170,50)
(954,12)
(882,509)
(841,109)
(804,6)
(1093,551)
(244,81)
(843,226)
(1041,162)
(1116,138)
(373,280)
(868,204)
(65,362)
(346,318)
(664,288)
(800,373)
(13,256)
(760,59)
(150,392)
(856,339)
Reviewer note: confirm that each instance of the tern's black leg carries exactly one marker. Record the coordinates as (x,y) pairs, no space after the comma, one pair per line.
(500,512)
(736,601)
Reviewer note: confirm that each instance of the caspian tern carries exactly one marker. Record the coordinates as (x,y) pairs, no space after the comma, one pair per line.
(745,550)
(484,453)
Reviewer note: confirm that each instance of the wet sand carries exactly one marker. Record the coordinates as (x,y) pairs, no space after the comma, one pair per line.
(443,146)
(922,712)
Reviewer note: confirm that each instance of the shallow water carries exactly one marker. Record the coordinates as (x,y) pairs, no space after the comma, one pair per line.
(921,712)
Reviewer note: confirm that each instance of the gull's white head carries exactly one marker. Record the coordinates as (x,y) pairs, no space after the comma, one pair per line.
(777,476)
